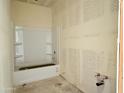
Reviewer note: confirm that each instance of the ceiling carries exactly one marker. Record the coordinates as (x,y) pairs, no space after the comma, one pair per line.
(46,3)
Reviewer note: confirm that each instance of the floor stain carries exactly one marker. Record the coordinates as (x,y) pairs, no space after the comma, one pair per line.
(53,85)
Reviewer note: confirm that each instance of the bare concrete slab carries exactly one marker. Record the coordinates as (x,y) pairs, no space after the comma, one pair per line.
(52,85)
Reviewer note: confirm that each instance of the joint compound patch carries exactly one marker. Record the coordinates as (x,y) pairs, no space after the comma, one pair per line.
(93,9)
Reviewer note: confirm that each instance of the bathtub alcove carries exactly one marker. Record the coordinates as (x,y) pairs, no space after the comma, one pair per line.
(34,57)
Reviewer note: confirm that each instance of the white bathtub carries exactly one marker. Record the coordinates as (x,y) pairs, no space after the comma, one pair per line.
(30,75)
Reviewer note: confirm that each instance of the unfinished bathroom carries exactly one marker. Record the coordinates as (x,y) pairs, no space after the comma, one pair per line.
(64,46)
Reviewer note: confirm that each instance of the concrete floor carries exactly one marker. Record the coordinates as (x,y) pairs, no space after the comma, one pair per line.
(52,85)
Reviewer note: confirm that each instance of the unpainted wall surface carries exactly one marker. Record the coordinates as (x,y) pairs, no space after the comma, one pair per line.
(5,48)
(30,15)
(88,35)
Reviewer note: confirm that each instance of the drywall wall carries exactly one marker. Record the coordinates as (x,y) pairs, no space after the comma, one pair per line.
(35,20)
(87,31)
(30,15)
(5,48)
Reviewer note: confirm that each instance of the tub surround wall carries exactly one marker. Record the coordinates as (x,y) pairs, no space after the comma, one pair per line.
(37,46)
(88,35)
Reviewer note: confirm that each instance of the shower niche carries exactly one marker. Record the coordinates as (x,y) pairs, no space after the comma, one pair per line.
(33,48)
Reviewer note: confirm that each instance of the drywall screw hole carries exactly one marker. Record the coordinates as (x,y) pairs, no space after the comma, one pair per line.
(24,85)
(58,84)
